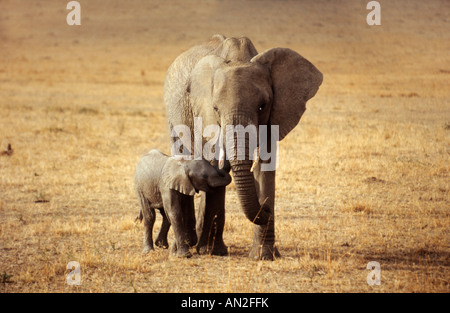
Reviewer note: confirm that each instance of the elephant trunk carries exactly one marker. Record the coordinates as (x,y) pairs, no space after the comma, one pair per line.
(245,186)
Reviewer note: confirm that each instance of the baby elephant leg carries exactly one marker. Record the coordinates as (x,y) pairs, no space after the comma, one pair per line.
(149,220)
(189,221)
(161,240)
(187,237)
(175,209)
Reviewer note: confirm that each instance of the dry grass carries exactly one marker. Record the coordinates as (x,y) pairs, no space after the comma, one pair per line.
(368,175)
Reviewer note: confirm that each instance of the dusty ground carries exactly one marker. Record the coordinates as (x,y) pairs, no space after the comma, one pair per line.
(364,177)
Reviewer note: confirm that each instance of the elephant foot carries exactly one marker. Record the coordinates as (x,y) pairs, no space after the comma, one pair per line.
(217,249)
(147,249)
(182,252)
(264,252)
(162,243)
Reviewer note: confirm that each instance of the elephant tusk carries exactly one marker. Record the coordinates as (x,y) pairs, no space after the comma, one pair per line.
(255,159)
(221,158)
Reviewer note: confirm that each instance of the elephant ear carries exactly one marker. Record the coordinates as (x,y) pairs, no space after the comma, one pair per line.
(294,81)
(176,178)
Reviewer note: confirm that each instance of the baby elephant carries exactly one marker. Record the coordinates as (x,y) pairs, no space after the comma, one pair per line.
(169,184)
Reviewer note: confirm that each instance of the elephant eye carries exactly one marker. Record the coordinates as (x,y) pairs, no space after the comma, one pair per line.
(262,106)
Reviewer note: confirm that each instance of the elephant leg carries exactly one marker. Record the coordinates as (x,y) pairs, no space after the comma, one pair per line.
(210,223)
(174,209)
(149,220)
(147,213)
(161,240)
(263,247)
(189,221)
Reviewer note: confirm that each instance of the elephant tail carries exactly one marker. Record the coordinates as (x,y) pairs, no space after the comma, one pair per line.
(139,217)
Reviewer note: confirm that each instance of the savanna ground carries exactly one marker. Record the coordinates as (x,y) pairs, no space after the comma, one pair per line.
(364,177)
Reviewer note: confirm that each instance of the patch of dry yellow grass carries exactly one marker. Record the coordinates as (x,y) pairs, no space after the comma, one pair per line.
(364,177)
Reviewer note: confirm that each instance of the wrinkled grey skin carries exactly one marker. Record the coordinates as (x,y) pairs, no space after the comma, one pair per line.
(226,82)
(169,184)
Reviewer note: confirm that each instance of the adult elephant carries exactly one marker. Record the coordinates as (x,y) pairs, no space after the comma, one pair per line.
(226,82)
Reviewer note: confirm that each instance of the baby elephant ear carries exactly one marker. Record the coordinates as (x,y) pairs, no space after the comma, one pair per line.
(175,177)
